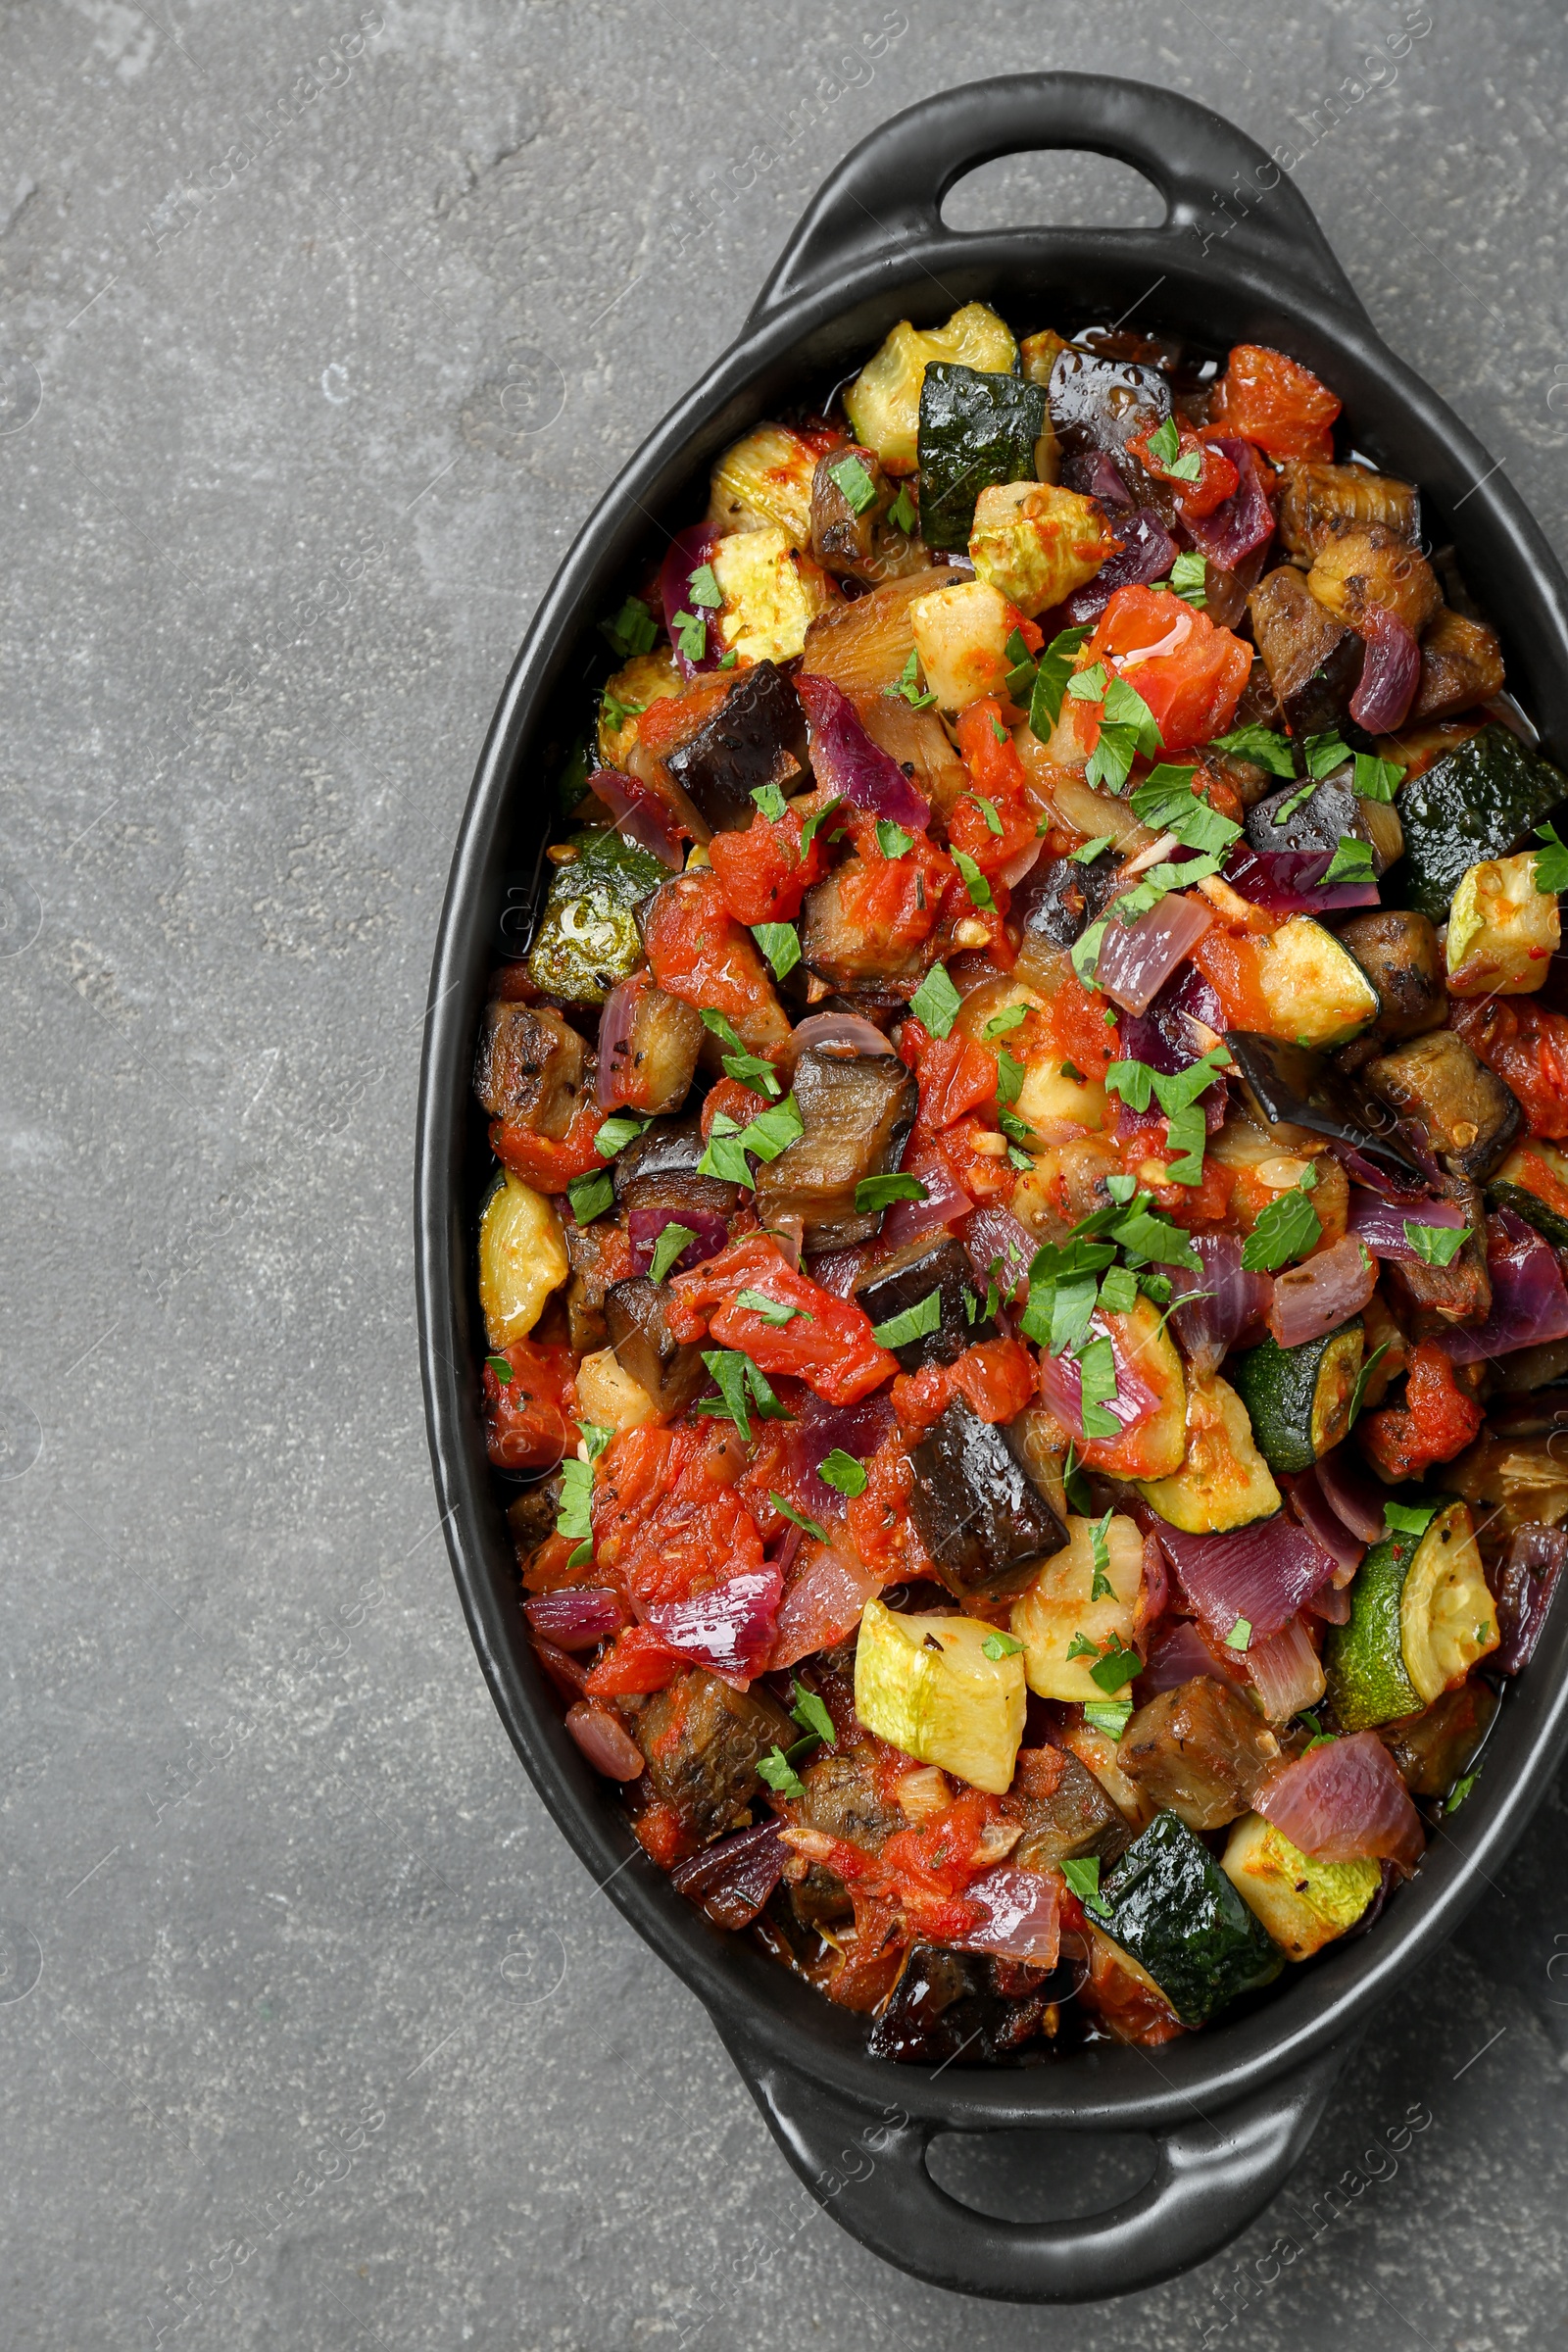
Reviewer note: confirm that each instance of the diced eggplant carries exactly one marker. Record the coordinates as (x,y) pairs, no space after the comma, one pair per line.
(587,938)
(1398,950)
(947,2004)
(857,1110)
(1316,499)
(756,737)
(531,1515)
(1058,899)
(659,1169)
(701,1742)
(594,1260)
(932,1263)
(1467,1115)
(1526,1399)
(1098,402)
(985,1523)
(840,946)
(1200,1750)
(1432,1300)
(531,1067)
(1332,811)
(1313,660)
(1510,1483)
(919,741)
(1461,664)
(843,1799)
(864,647)
(1361,564)
(1065,1812)
(647,1043)
(1433,1748)
(844,528)
(670,1372)
(1291,1088)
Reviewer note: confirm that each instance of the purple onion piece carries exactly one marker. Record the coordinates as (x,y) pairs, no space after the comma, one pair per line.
(817,1431)
(1209,1328)
(732,1880)
(1093,473)
(994,1232)
(1523,1589)
(1323,1523)
(1291,882)
(616,1024)
(640,816)
(1381,1223)
(729,1630)
(1136,960)
(945,1204)
(1147,553)
(844,760)
(578,1618)
(1389,673)
(1529,1302)
(1245,521)
(1263,1573)
(689,551)
(835,1032)
(644,1225)
(1351,1492)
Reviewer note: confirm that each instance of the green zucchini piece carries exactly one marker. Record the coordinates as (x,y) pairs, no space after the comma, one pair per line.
(1317,991)
(1421,1615)
(588,938)
(1303,1903)
(1299,1398)
(1223,1480)
(975,428)
(1533,1181)
(1482,800)
(1171,1908)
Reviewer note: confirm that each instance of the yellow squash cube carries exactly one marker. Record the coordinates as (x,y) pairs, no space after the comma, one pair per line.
(1037,543)
(764,478)
(1503,931)
(771,593)
(523,1259)
(1303,1904)
(961,635)
(1055,1615)
(926,1686)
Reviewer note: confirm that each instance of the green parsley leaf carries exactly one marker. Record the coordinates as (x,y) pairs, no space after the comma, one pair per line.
(812,1716)
(936,1002)
(750,1069)
(908,685)
(913,1324)
(770,801)
(797,1518)
(705,588)
(1551,864)
(1074,1483)
(842,1472)
(616,712)
(1165,441)
(1240,1634)
(1080,1647)
(988,810)
(1102,1588)
(1408,1518)
(1188,578)
(1294,800)
(691,635)
(880,1192)
(591,1196)
(1377,779)
(902,514)
(1086,952)
(1324,754)
(1024,1161)
(773,1130)
(584,1552)
(1096,1371)
(1134,1081)
(1082,1874)
(729,1367)
(577,1484)
(974,881)
(726,1156)
(1109,1716)
(1088,851)
(1166,804)
(1460,1791)
(817,816)
(860,491)
(1009,1076)
(1052,672)
(1369,1365)
(729,659)
(1144,1233)
(1116,1668)
(1088,685)
(623,1127)
(999,730)
(1014,1128)
(1287,1229)
(1185,1134)
(1009,1017)
(631,630)
(1070,1069)
(770,1310)
(501,1368)
(780,1774)
(1436,1244)
(997,1645)
(1263,746)
(1351,862)
(780,943)
(671,1242)
(1118,1296)
(891,839)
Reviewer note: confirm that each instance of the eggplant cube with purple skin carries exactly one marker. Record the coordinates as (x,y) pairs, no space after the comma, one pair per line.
(980,1515)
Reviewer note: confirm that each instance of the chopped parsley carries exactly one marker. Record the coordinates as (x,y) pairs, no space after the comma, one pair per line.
(780,1774)
(997,1645)
(1097,1374)
(1408,1519)
(502,1369)
(1109,1716)
(797,1518)
(908,685)
(810,1714)
(974,881)
(1436,1244)
(770,801)
(632,630)
(1088,851)
(1551,866)
(1164,445)
(1288,1228)
(590,1196)
(902,514)
(1323,754)
(1240,1634)
(842,1472)
(852,478)
(1009,1076)
(913,1323)
(817,816)
(617,1131)
(1102,1588)
(750,1069)
(1166,803)
(1263,746)
(1127,729)
(780,943)
(1362,1378)
(772,1131)
(1116,1667)
(891,839)
(1377,779)
(1460,1791)
(1009,1017)
(1351,862)
(1189,576)
(1082,1874)
(704,589)
(987,809)
(1294,800)
(1052,672)
(671,1242)
(577,1485)
(691,635)
(742,1388)
(880,1192)
(936,1002)
(771,1310)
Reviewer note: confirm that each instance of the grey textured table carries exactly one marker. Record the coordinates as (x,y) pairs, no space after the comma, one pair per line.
(318,335)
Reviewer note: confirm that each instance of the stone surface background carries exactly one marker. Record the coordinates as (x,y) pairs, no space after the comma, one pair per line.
(311,2032)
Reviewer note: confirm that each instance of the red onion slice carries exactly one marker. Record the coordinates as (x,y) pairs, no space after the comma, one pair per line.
(1324,1524)
(641,815)
(844,760)
(1291,882)
(732,1880)
(1061,1388)
(1246,519)
(644,1225)
(822,1605)
(1093,473)
(689,551)
(946,1203)
(1529,1302)
(993,1233)
(1312,1299)
(819,1430)
(578,1618)
(1263,1573)
(1287,1672)
(1523,1589)
(1136,960)
(729,1630)
(1180,1655)
(1209,1328)
(604,1740)
(834,1033)
(1021,1915)
(1346,1802)
(1352,1494)
(1381,1223)
(1389,673)
(1147,553)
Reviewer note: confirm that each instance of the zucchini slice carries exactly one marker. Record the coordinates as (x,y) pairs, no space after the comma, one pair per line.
(588,938)
(1063,1632)
(1316,993)
(1303,1904)
(926,1684)
(1533,1181)
(1421,1615)
(883,403)
(1299,1398)
(1169,1906)
(523,1257)
(977,428)
(1224,1481)
(1482,800)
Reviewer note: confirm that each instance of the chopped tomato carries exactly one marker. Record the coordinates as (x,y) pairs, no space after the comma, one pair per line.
(512,985)
(1436,1420)
(1275,402)
(549,1164)
(977,1158)
(1199,492)
(739,1102)
(1189,672)
(667,1521)
(636,1662)
(1196,1206)
(940,1859)
(893,899)
(657,1830)
(878,1517)
(1527,1048)
(526,1425)
(764,872)
(1079,1030)
(676,717)
(995,1379)
(997,777)
(1230,966)
(548,1567)
(700,953)
(954,1074)
(827,1342)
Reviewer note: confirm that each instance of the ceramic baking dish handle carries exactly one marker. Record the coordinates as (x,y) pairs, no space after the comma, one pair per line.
(1221,188)
(1213,2175)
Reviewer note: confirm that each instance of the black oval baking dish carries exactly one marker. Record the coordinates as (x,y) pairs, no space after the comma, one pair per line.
(1231,2109)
